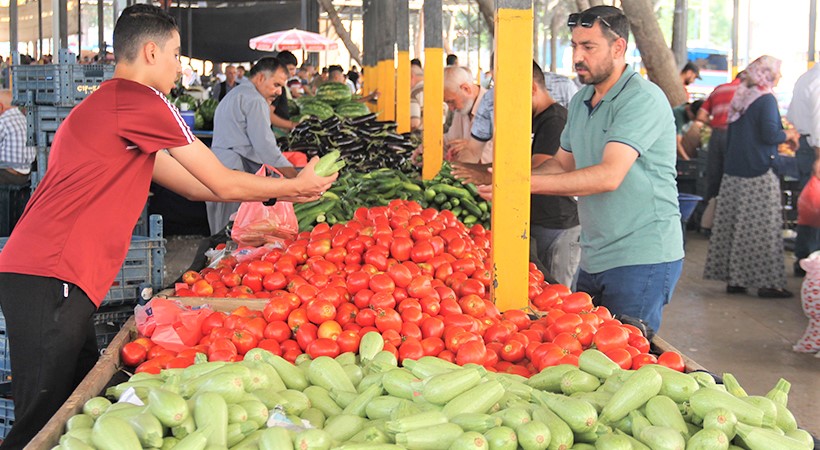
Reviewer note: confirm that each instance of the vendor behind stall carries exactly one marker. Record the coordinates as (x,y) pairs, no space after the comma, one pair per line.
(67,248)
(243,139)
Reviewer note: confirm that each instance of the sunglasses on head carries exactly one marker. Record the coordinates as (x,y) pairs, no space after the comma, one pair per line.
(586,20)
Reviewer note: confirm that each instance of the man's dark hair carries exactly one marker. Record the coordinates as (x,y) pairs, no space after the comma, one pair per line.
(353,76)
(335,68)
(138,24)
(416,62)
(618,23)
(538,76)
(268,65)
(287,58)
(695,106)
(691,67)
(451,59)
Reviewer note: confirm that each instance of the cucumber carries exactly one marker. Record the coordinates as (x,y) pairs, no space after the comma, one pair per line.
(170,408)
(320,399)
(707,399)
(312,439)
(231,386)
(470,440)
(642,385)
(344,426)
(211,411)
(476,422)
(431,438)
(533,435)
(113,433)
(578,381)
(663,412)
(721,419)
(578,414)
(613,441)
(594,362)
(149,430)
(96,406)
(636,444)
(326,372)
(708,439)
(561,434)
(276,438)
(662,438)
(549,379)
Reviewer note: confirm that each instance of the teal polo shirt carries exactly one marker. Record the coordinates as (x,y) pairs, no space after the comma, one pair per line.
(638,223)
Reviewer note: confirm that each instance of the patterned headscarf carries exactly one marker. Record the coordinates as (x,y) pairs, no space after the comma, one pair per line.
(757,80)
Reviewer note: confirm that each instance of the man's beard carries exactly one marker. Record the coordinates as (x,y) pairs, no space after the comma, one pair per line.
(594,78)
(468,106)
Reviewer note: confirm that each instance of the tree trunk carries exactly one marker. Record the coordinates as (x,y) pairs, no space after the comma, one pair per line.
(487,9)
(447,45)
(657,58)
(582,4)
(344,35)
(679,32)
(536,6)
(555,29)
(419,50)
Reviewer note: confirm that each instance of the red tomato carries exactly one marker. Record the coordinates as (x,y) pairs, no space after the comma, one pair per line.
(400,248)
(576,302)
(447,355)
(518,317)
(153,366)
(260,267)
(422,251)
(214,320)
(366,317)
(243,341)
(566,323)
(421,286)
(448,307)
(348,341)
(256,327)
(202,288)
(388,319)
(642,360)
(513,351)
(290,345)
(323,347)
(252,280)
(672,360)
(412,315)
(602,312)
(639,342)
(318,247)
(382,283)
(584,333)
(133,354)
(319,311)
(346,313)
(546,300)
(382,300)
(432,327)
(633,351)
(306,334)
(277,330)
(471,352)
(221,344)
(568,343)
(430,305)
(621,357)
(329,330)
(497,333)
(472,304)
(400,275)
(411,348)
(274,281)
(271,345)
(159,351)
(146,343)
(610,337)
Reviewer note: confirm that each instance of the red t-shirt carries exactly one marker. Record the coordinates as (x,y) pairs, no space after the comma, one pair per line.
(77,226)
(717,105)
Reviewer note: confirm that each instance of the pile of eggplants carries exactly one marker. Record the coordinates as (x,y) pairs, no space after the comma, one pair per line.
(365,144)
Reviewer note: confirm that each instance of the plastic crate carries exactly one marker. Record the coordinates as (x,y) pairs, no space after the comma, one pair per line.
(43,122)
(42,164)
(687,170)
(5,362)
(108,322)
(13,201)
(63,84)
(143,270)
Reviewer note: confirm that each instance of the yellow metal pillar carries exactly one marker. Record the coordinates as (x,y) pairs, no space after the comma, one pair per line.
(511,160)
(387,89)
(433,115)
(403,67)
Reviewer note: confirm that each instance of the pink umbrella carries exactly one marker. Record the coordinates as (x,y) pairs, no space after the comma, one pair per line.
(292,40)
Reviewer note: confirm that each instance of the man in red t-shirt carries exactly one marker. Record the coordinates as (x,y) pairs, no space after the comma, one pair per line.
(74,234)
(714,112)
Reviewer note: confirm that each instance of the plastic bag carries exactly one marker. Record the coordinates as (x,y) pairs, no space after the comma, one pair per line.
(170,324)
(808,205)
(256,224)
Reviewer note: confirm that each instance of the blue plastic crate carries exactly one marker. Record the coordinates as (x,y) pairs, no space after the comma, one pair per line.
(142,272)
(6,410)
(43,122)
(64,84)
(5,362)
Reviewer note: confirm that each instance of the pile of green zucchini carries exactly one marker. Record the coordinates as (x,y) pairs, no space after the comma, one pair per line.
(353,190)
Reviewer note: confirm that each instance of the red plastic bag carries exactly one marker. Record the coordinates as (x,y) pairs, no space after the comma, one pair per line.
(170,324)
(256,224)
(808,205)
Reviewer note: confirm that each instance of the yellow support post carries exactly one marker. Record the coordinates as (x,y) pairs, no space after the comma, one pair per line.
(403,93)
(371,78)
(433,115)
(511,161)
(387,90)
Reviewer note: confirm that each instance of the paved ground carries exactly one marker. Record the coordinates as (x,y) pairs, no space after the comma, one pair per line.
(744,335)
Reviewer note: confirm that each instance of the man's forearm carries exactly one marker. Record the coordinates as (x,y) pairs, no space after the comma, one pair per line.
(549,167)
(279,122)
(587,181)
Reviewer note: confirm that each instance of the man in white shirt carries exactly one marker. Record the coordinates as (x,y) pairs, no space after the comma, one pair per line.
(15,156)
(463,96)
(804,114)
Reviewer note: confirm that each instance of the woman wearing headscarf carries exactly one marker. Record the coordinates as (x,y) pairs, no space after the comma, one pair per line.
(746,246)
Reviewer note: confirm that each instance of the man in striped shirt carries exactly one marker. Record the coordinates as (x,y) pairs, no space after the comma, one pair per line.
(15,156)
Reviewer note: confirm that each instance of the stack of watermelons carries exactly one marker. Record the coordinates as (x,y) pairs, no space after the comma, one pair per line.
(334,94)
(205,114)
(331,99)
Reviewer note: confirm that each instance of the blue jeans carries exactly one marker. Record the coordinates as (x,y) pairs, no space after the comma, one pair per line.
(639,291)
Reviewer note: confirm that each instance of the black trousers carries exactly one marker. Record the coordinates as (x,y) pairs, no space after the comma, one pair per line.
(714,162)
(52,345)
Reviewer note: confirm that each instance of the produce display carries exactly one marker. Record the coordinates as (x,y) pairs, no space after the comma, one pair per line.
(365,143)
(353,190)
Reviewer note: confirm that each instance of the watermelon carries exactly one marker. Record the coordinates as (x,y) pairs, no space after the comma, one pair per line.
(207,110)
(316,108)
(293,107)
(189,100)
(334,93)
(352,109)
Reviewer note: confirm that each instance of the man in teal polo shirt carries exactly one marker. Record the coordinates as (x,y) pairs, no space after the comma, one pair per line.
(618,155)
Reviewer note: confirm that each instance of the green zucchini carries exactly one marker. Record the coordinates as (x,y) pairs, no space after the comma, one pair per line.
(644,384)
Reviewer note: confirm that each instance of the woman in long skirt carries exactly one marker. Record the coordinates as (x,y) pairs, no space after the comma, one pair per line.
(746,246)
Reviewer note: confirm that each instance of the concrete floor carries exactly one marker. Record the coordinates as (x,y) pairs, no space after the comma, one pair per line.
(744,335)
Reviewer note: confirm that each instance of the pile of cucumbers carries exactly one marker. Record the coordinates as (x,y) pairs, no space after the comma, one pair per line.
(366,401)
(353,190)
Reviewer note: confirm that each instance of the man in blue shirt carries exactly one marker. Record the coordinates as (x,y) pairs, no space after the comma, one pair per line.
(618,156)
